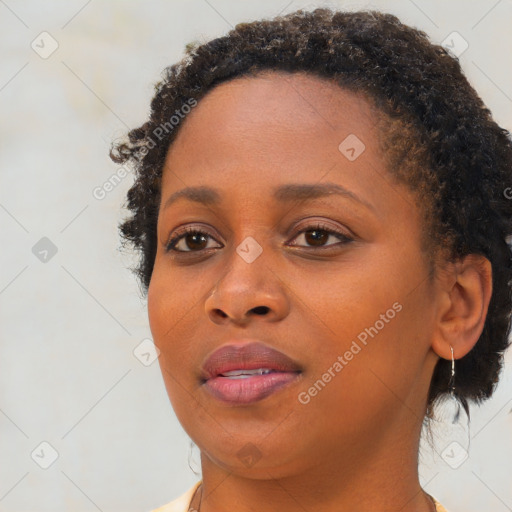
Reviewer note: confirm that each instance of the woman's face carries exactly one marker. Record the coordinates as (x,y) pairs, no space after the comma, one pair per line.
(337,282)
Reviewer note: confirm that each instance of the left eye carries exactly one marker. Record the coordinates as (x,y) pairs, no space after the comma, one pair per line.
(315,236)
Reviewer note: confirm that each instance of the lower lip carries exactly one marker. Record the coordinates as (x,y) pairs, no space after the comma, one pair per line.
(249,389)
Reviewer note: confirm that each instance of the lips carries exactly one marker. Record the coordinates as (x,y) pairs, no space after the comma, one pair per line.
(246,372)
(247,356)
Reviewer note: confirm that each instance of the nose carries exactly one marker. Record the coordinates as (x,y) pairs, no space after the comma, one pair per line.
(245,291)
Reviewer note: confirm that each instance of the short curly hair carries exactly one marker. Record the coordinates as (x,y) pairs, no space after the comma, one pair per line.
(438,137)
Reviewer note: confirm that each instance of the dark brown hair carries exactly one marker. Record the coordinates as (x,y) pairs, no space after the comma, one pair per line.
(439,138)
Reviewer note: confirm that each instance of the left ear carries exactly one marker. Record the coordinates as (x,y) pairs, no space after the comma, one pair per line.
(464,298)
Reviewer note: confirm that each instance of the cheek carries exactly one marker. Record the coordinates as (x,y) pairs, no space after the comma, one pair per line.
(366,389)
(170,313)
(372,320)
(167,310)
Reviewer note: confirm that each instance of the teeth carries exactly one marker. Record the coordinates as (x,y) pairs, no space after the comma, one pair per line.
(243,374)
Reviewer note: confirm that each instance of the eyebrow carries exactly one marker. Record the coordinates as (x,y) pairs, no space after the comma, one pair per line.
(284,193)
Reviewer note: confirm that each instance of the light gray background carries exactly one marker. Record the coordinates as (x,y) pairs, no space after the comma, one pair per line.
(69,326)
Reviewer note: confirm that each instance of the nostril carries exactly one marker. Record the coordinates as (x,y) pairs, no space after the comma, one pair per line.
(261,310)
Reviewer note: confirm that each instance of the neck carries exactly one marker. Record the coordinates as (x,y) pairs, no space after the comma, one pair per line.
(381,475)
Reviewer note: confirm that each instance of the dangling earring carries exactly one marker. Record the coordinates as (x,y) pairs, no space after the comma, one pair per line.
(452,378)
(451,385)
(452,439)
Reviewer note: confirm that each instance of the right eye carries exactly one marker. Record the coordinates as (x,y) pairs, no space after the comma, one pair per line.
(191,237)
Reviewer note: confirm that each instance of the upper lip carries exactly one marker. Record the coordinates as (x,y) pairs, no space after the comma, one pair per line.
(246,356)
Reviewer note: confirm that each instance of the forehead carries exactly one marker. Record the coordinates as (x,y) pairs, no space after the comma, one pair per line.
(276,115)
(278,102)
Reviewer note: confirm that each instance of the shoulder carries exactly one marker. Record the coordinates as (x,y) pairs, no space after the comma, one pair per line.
(180,504)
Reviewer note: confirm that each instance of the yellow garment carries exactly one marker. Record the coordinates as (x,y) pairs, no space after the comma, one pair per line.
(182,504)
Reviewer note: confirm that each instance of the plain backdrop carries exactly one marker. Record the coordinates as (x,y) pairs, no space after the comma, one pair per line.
(85,422)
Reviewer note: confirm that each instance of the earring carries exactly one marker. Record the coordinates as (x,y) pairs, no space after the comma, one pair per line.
(451,438)
(451,386)
(452,378)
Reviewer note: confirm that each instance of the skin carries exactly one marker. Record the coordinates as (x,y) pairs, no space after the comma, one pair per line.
(353,446)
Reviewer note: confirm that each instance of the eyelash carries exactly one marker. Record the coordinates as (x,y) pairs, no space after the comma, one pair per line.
(170,246)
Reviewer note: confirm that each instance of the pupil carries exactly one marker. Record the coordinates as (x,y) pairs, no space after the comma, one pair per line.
(320,236)
(195,236)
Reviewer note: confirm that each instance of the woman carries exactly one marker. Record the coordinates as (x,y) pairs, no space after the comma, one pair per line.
(320,212)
